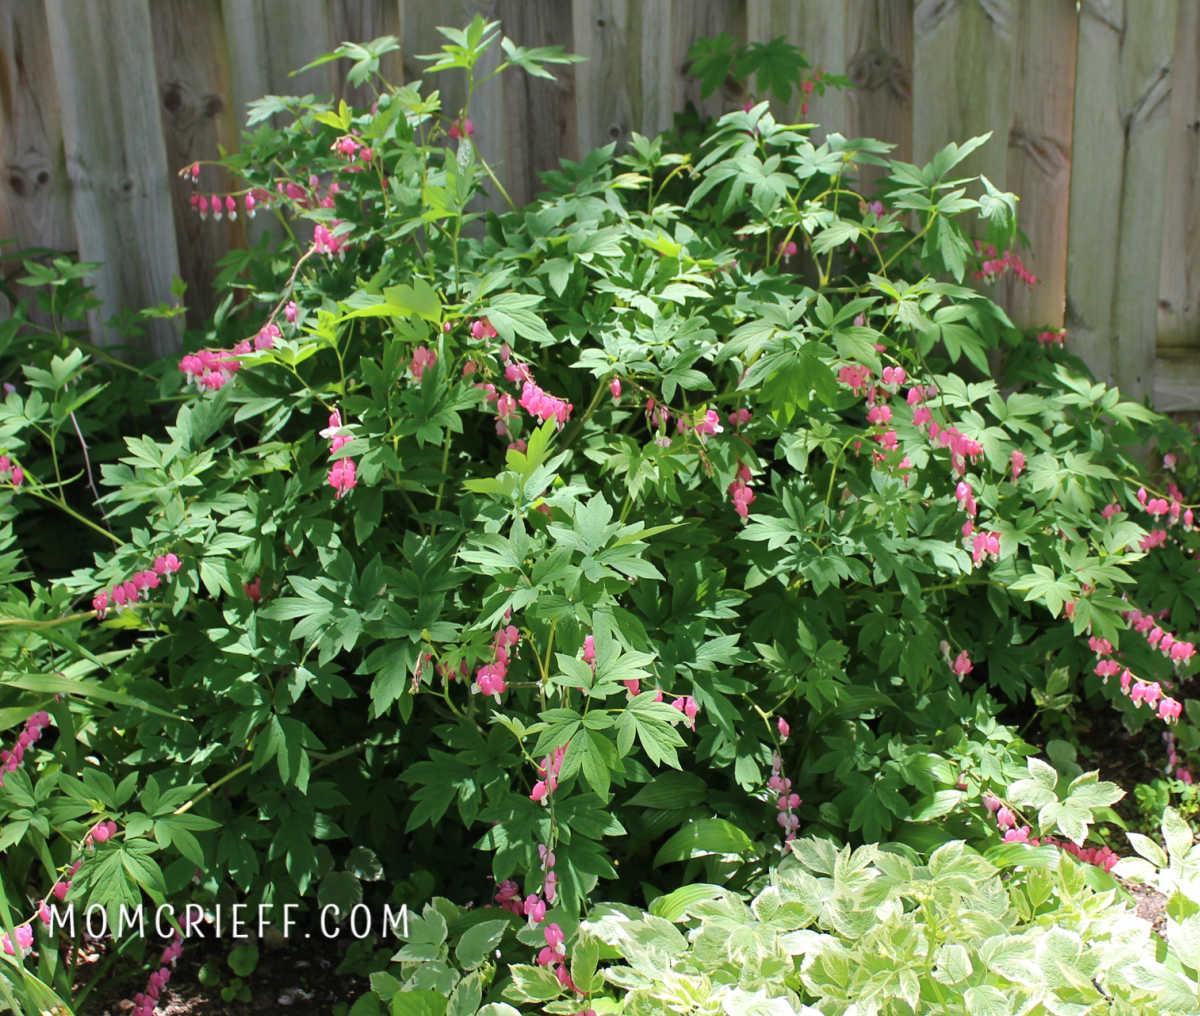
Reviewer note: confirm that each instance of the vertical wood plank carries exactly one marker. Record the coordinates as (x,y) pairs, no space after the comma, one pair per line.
(609,79)
(1179,277)
(962,62)
(116,158)
(691,20)
(1098,154)
(197,116)
(818,29)
(419,24)
(266,40)
(879,37)
(34,200)
(363,21)
(1039,155)
(651,45)
(1145,79)
(540,115)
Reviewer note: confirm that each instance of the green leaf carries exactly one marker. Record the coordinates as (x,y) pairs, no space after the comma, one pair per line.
(243,959)
(367,1005)
(1177,834)
(419,298)
(340,890)
(532,984)
(703,836)
(478,941)
(585,954)
(676,905)
(464,999)
(56,684)
(1148,849)
(672,790)
(418,1003)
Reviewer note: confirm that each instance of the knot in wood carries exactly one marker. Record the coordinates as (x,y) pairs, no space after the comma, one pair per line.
(172,97)
(1044,152)
(875,68)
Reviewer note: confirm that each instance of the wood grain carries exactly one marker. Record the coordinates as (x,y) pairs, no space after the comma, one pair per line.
(608,80)
(363,21)
(1176,383)
(1098,157)
(419,24)
(34,206)
(540,115)
(116,159)
(1145,78)
(1179,275)
(691,20)
(818,30)
(100,105)
(879,37)
(1039,156)
(193,91)
(266,40)
(962,60)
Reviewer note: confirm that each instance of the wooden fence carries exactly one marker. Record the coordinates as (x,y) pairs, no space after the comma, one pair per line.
(1096,114)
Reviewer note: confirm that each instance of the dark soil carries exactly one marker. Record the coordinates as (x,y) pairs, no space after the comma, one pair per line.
(297,978)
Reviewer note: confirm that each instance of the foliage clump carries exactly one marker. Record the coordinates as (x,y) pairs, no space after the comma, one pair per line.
(580,550)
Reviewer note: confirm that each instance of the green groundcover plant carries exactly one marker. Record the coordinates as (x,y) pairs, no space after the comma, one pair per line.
(585,550)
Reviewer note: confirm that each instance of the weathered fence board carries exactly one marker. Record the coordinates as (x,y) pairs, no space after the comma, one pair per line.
(266,41)
(879,60)
(1095,114)
(362,21)
(605,82)
(819,30)
(36,204)
(1179,273)
(1146,51)
(1099,145)
(650,46)
(691,20)
(116,158)
(968,93)
(540,115)
(193,89)
(1039,155)
(419,24)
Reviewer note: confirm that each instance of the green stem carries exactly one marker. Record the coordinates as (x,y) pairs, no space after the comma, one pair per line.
(832,475)
(499,186)
(74,514)
(625,506)
(445,461)
(187,805)
(654,195)
(909,242)
(591,408)
(549,648)
(28,624)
